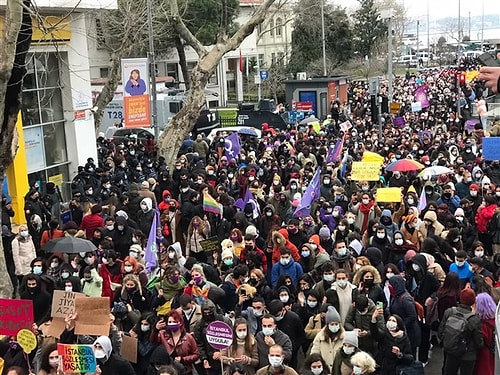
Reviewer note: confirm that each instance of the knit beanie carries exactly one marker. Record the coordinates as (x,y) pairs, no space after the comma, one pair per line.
(332,315)
(467,297)
(226,254)
(350,337)
(324,232)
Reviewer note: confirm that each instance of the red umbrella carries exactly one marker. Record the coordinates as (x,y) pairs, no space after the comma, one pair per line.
(404,165)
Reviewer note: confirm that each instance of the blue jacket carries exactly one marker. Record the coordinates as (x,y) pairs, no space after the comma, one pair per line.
(292,269)
(453,203)
(464,273)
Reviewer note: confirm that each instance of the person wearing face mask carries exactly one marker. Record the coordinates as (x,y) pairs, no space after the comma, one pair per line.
(49,363)
(430,226)
(314,364)
(342,363)
(91,282)
(295,234)
(142,332)
(397,249)
(210,357)
(109,362)
(199,230)
(286,266)
(54,265)
(243,349)
(403,304)
(92,221)
(462,268)
(122,236)
(369,282)
(31,289)
(329,340)
(180,345)
(52,233)
(227,260)
(341,256)
(131,295)
(366,209)
(233,281)
(363,364)
(395,350)
(276,357)
(131,266)
(66,274)
(23,251)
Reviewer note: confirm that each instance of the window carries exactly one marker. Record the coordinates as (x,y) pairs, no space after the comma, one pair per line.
(104,72)
(213,79)
(174,107)
(281,58)
(273,58)
(101,40)
(271,28)
(172,71)
(261,60)
(279,27)
(42,113)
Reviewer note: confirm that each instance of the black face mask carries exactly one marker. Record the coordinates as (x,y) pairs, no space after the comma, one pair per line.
(210,317)
(248,247)
(368,282)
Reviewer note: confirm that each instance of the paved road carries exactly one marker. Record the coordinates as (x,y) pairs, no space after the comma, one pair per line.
(435,363)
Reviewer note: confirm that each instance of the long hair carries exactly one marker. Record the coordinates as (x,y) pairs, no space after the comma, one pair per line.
(45,365)
(136,71)
(177,316)
(485,306)
(249,340)
(316,357)
(450,287)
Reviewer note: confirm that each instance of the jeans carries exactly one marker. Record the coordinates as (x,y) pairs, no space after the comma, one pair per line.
(454,364)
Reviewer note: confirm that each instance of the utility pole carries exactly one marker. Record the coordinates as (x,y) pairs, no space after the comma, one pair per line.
(152,70)
(323,36)
(428,36)
(389,59)
(418,43)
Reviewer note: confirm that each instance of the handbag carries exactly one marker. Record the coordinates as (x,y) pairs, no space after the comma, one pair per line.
(414,368)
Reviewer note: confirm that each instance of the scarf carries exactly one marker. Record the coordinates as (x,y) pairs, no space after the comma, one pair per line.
(365,210)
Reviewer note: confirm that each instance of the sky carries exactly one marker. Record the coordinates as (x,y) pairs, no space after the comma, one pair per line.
(442,8)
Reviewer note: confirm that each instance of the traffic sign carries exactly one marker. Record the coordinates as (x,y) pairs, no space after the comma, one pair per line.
(264,75)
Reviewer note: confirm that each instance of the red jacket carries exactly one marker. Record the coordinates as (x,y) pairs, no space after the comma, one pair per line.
(185,348)
(484,214)
(90,223)
(260,254)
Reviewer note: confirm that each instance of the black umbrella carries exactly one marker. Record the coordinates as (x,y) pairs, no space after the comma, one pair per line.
(69,245)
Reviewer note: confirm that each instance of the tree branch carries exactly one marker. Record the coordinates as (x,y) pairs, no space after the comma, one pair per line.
(248,27)
(184,32)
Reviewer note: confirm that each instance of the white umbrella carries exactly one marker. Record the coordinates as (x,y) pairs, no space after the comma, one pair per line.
(435,170)
(308,120)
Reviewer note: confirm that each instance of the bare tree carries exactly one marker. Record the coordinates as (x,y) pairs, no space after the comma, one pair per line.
(14,46)
(209,58)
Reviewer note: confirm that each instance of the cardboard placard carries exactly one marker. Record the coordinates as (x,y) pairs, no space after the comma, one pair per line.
(92,316)
(55,328)
(211,244)
(416,107)
(129,348)
(392,194)
(395,108)
(63,303)
(77,358)
(15,314)
(365,171)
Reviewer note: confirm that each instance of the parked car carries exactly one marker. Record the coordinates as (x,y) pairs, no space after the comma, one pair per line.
(410,61)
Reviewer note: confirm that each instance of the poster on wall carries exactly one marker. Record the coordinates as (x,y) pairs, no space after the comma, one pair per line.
(33,143)
(135,79)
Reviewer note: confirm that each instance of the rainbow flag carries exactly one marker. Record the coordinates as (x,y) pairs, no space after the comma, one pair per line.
(211,205)
(76,358)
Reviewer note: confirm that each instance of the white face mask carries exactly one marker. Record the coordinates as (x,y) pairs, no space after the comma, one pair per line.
(54,264)
(388,275)
(334,328)
(342,283)
(342,251)
(317,370)
(399,241)
(241,334)
(275,361)
(410,202)
(312,304)
(110,227)
(99,353)
(366,201)
(171,254)
(120,228)
(357,370)
(134,255)
(473,193)
(65,275)
(350,220)
(284,299)
(145,327)
(284,261)
(348,349)
(459,218)
(391,326)
(128,268)
(68,288)
(461,264)
(381,235)
(24,233)
(341,228)
(328,278)
(415,267)
(479,254)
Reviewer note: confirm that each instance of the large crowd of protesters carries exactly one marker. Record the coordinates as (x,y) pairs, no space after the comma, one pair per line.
(350,286)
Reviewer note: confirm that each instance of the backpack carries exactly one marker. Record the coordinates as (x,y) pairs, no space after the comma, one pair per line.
(432,314)
(454,340)
(492,224)
(419,309)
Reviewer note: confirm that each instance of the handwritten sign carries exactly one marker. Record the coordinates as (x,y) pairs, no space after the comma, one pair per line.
(129,348)
(15,314)
(416,106)
(63,303)
(93,316)
(77,358)
(26,340)
(211,244)
(389,194)
(365,171)
(219,335)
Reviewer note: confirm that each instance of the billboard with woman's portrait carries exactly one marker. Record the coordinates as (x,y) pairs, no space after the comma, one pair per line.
(135,78)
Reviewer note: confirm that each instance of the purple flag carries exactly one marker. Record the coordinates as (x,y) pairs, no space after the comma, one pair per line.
(343,169)
(335,152)
(249,198)
(399,121)
(232,145)
(310,195)
(150,256)
(421,96)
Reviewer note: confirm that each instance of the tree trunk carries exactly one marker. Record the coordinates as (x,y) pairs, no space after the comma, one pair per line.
(183,62)
(18,32)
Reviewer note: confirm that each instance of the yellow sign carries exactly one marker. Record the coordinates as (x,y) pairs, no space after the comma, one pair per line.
(395,108)
(57,179)
(365,171)
(471,75)
(372,156)
(389,194)
(49,29)
(26,340)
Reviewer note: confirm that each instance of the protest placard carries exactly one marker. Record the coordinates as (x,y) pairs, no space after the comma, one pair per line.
(491,148)
(129,348)
(219,335)
(63,303)
(365,171)
(389,194)
(15,314)
(55,328)
(211,244)
(92,316)
(77,358)
(26,340)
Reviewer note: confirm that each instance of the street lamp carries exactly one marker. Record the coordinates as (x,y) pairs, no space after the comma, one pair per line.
(387,14)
